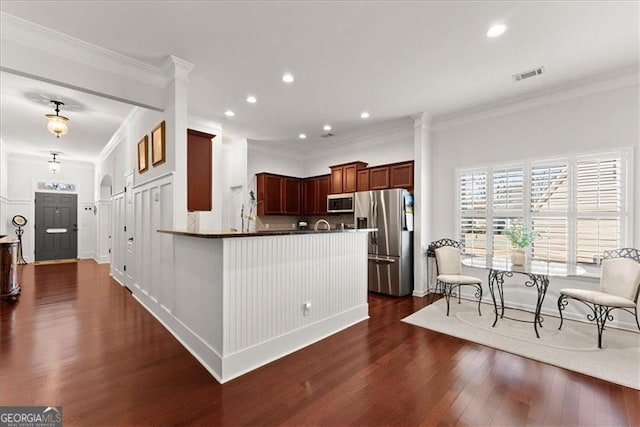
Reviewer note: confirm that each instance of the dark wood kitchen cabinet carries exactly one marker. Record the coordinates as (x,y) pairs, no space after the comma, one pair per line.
(363,180)
(344,178)
(292,196)
(379,178)
(199,185)
(278,194)
(323,192)
(269,197)
(311,196)
(401,175)
(316,190)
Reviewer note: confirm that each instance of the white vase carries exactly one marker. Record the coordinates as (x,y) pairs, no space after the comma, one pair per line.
(518,257)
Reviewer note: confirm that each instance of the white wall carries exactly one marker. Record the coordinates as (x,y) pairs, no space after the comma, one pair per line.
(378,145)
(25,172)
(234,186)
(588,123)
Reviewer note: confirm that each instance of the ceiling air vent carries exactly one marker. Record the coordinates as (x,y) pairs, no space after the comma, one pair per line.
(327,135)
(528,74)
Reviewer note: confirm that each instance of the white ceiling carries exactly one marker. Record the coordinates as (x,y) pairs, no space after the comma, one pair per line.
(23,126)
(392,59)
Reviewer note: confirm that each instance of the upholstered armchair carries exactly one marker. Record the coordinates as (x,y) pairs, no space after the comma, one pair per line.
(619,286)
(448,270)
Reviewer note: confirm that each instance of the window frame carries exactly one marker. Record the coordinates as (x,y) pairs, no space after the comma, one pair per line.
(625,216)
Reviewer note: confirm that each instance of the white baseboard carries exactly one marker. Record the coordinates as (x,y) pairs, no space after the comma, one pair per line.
(420,293)
(229,367)
(251,358)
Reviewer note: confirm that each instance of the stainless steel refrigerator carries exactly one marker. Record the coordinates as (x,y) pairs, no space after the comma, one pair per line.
(391,247)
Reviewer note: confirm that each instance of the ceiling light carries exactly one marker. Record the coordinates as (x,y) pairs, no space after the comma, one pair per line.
(57,124)
(497,30)
(54,165)
(302,136)
(287,78)
(327,127)
(364,115)
(229,113)
(251,99)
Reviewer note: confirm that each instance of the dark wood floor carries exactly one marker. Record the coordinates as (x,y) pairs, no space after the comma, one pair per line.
(78,339)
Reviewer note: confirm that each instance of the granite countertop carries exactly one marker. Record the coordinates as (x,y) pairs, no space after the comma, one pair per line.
(208,234)
(7,240)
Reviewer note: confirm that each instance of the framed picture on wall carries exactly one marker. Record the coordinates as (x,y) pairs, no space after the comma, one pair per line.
(157,145)
(143,154)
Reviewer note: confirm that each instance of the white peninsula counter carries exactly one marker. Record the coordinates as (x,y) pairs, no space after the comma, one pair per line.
(245,299)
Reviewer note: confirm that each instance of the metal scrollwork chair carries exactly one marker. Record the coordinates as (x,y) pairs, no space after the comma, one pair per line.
(619,287)
(448,277)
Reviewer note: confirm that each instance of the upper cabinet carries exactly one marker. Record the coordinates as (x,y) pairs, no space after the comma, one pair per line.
(199,150)
(292,195)
(279,195)
(344,178)
(401,175)
(315,194)
(362,180)
(379,178)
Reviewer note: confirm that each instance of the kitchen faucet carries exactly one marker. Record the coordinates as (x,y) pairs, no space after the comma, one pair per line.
(321,221)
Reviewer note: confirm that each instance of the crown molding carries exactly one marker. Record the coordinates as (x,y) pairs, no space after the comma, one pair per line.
(116,137)
(275,150)
(62,45)
(603,83)
(176,68)
(364,140)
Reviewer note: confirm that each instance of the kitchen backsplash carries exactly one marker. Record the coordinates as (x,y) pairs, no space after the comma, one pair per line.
(282,222)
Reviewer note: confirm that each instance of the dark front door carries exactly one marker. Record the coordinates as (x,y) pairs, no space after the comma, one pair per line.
(56,226)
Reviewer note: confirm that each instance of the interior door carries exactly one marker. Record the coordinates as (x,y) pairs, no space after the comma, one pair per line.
(56,226)
(118,234)
(128,231)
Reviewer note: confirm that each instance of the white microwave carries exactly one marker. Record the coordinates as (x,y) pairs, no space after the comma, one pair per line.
(340,203)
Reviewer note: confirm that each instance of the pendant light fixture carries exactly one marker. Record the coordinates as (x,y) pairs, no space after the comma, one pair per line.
(54,164)
(57,124)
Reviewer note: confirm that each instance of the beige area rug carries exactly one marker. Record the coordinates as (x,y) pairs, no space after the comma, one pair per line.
(574,347)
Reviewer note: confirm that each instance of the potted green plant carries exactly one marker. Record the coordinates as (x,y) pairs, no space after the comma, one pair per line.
(520,238)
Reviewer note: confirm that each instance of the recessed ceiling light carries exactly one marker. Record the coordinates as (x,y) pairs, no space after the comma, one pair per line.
(229,113)
(497,30)
(364,115)
(302,136)
(287,78)
(251,99)
(327,127)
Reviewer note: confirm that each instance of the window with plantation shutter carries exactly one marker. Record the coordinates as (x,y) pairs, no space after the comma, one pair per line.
(599,194)
(473,208)
(550,210)
(508,189)
(577,205)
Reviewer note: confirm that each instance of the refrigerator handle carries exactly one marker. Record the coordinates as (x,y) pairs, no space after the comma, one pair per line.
(375,221)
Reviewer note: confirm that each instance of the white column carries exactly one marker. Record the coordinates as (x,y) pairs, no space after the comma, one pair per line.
(422,201)
(176,71)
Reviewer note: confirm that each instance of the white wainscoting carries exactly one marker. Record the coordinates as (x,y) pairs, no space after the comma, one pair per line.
(239,302)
